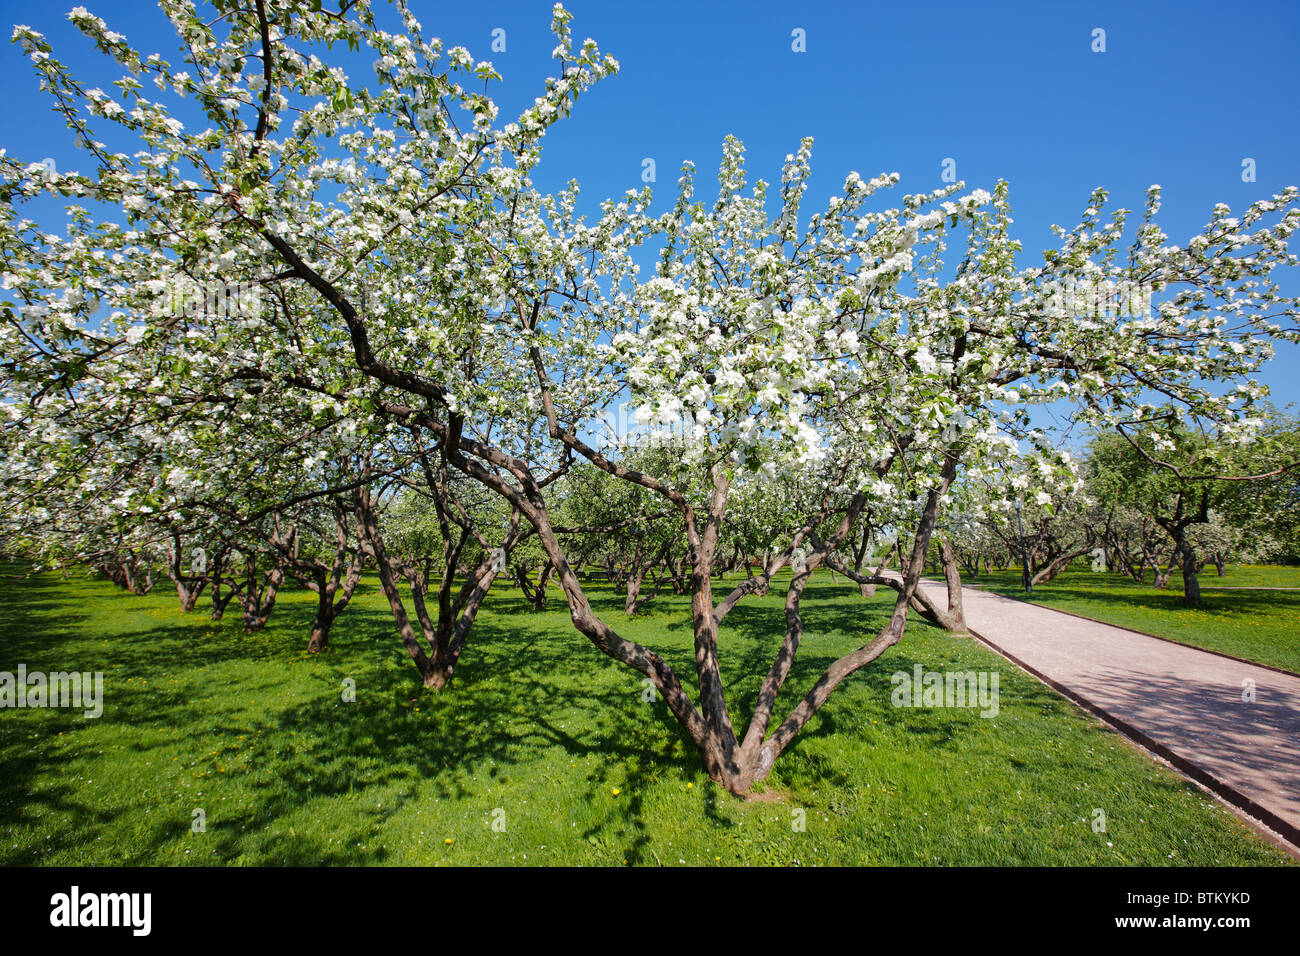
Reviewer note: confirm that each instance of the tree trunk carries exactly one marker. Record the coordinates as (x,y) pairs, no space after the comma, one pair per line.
(320,627)
(1162,576)
(220,601)
(635,579)
(954,617)
(259,600)
(955,620)
(630,603)
(535,594)
(443,636)
(733,767)
(335,583)
(1058,564)
(189,596)
(1191,582)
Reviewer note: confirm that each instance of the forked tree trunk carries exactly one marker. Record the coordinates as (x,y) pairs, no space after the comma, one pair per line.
(535,594)
(221,601)
(259,596)
(1184,555)
(437,649)
(1162,576)
(188,586)
(734,763)
(333,583)
(332,597)
(334,592)
(189,596)
(224,589)
(1055,565)
(633,590)
(636,579)
(543,583)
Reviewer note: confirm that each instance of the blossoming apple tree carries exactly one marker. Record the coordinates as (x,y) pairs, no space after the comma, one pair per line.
(420,286)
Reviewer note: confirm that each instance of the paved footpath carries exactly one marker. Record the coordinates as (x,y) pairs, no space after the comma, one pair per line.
(1183,703)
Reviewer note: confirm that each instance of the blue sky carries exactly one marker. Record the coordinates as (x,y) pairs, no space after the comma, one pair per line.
(1183,93)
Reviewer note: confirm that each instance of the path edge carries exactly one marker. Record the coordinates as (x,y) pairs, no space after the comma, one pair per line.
(1132,630)
(1275,830)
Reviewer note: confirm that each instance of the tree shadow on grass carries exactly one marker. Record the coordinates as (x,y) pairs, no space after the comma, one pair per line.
(529,690)
(502,712)
(517,687)
(1115,591)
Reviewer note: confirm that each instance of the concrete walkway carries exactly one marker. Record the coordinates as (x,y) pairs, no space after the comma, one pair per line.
(1183,703)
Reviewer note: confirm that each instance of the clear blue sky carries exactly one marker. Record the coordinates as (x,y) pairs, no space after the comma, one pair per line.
(1184,92)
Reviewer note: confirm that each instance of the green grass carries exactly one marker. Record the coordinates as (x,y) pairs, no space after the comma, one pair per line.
(541,726)
(1248,575)
(1262,626)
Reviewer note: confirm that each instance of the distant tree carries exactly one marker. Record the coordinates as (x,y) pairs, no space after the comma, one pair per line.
(1182,478)
(1264,515)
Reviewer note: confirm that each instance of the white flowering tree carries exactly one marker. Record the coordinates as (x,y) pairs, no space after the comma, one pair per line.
(1047,528)
(843,352)
(160,362)
(756,346)
(438,523)
(1183,479)
(418,284)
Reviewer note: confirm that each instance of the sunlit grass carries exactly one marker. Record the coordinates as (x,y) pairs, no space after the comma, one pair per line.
(542,735)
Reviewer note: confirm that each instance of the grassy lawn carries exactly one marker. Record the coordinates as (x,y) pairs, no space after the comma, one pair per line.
(542,728)
(1261,626)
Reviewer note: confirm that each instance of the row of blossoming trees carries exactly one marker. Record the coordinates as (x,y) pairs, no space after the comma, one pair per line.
(1135,514)
(413,351)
